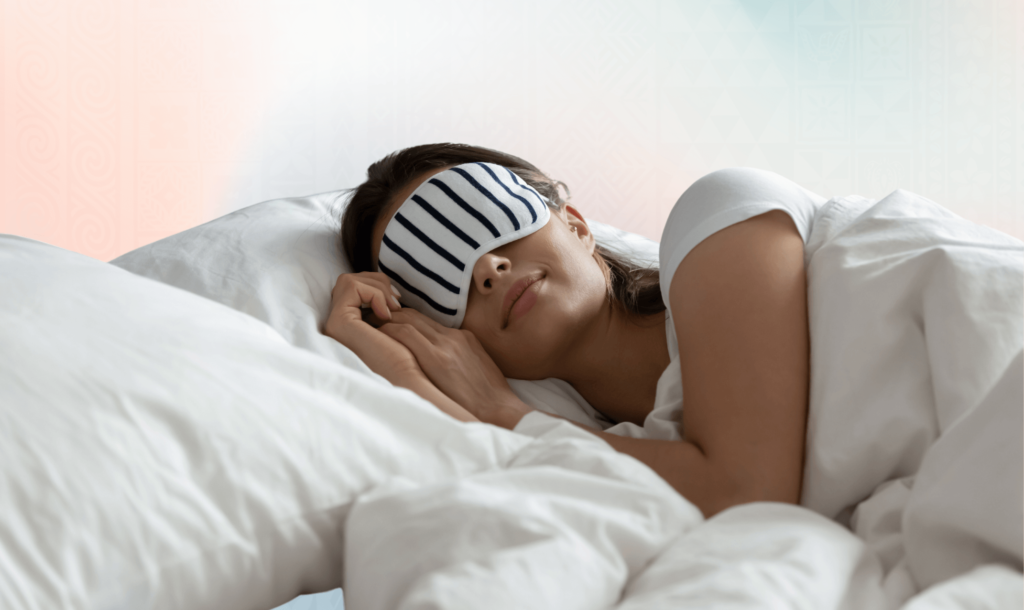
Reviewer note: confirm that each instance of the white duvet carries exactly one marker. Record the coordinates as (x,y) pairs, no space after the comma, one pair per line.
(914,438)
(159,450)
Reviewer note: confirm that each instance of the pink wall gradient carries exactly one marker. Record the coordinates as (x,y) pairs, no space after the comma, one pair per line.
(120,119)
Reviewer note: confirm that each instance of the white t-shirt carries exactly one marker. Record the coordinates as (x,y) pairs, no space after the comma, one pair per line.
(716,201)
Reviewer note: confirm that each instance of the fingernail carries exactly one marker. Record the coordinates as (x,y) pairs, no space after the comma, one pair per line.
(395,290)
(397,304)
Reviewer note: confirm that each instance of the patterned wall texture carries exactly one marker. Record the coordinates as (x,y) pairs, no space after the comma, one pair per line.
(127,120)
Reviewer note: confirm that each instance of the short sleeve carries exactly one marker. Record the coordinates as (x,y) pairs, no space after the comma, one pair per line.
(723,198)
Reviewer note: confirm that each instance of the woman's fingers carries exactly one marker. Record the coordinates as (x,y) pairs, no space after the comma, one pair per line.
(428,340)
(384,279)
(386,285)
(455,362)
(359,290)
(425,321)
(428,327)
(374,297)
(378,280)
(411,337)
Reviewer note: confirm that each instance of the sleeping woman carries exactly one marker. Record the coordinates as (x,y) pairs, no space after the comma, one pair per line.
(863,359)
(502,277)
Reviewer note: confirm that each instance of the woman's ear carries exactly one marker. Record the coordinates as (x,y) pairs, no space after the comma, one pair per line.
(579,227)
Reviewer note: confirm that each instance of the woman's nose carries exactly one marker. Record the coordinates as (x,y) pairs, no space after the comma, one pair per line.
(488,269)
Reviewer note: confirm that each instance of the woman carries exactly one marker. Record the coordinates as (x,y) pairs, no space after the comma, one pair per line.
(736,295)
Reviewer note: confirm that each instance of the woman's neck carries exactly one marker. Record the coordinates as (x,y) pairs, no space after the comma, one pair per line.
(616,365)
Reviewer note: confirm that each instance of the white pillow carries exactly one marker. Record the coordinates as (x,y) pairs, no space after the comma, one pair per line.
(160,450)
(278,261)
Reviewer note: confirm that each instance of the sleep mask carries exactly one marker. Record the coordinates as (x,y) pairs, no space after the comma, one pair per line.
(437,235)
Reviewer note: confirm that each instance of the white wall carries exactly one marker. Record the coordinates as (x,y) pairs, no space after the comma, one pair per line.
(630,102)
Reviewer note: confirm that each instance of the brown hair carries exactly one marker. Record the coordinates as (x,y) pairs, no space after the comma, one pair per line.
(635,288)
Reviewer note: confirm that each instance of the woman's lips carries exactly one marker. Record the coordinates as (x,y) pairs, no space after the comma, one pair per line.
(513,296)
(524,303)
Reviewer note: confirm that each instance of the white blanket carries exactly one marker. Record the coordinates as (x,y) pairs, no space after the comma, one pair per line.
(914,438)
(916,391)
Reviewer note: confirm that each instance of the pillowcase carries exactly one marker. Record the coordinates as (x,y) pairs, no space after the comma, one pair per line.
(279,260)
(160,450)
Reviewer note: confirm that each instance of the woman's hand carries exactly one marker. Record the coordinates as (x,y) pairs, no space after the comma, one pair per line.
(456,362)
(359,303)
(350,326)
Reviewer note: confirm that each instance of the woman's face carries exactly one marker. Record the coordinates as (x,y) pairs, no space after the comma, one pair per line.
(566,292)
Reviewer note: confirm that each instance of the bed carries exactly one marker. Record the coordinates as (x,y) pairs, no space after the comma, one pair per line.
(176,432)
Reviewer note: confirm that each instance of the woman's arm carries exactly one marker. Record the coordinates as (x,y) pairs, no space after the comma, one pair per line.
(739,302)
(425,389)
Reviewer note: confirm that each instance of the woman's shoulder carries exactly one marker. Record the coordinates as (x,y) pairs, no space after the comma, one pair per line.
(726,197)
(743,181)
(735,188)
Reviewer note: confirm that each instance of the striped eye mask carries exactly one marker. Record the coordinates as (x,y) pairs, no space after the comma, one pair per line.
(435,238)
